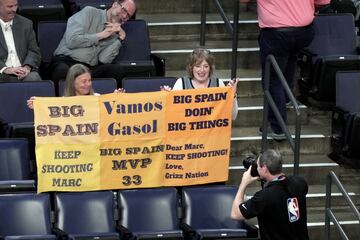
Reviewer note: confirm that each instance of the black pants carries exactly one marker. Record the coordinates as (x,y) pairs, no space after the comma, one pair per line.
(284,45)
(60,65)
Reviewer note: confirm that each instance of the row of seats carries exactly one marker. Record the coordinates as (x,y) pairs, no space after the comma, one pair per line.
(45,10)
(17,172)
(334,48)
(160,213)
(16,119)
(345,125)
(134,55)
(13,95)
(49,21)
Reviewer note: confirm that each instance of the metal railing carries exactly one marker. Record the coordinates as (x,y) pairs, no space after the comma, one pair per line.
(269,102)
(232,28)
(329,215)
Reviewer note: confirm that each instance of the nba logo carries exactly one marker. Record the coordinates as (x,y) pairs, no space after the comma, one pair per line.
(293,209)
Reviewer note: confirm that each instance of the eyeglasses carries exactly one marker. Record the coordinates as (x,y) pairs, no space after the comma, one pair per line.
(128,16)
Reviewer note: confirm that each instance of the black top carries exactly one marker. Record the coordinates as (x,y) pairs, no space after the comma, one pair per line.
(280,208)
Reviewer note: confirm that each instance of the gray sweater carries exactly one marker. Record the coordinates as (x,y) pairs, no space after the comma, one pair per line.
(81,43)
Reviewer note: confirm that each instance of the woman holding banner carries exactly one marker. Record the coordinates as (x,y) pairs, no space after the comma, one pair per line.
(77,83)
(200,67)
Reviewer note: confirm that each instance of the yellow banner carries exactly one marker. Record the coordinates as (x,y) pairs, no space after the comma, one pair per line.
(127,140)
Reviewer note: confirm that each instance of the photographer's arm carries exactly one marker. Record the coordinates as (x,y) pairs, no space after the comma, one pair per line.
(239,198)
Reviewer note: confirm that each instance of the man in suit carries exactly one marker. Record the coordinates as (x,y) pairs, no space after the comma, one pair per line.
(19,52)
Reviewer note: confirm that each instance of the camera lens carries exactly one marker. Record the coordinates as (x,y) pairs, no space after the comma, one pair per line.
(247,162)
(251,161)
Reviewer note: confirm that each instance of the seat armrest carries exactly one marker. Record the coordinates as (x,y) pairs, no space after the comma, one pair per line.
(159,63)
(60,234)
(124,232)
(188,231)
(339,110)
(305,55)
(252,230)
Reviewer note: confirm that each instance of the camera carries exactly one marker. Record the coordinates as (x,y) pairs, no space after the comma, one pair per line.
(251,161)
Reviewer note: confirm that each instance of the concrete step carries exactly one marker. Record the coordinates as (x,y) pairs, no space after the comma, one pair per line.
(248,86)
(313,167)
(177,52)
(316,223)
(186,6)
(251,112)
(314,139)
(186,26)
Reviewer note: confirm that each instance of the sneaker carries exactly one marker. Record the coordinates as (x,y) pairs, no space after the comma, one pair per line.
(273,135)
(289,103)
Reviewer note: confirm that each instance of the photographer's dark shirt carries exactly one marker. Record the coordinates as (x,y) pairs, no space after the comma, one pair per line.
(280,208)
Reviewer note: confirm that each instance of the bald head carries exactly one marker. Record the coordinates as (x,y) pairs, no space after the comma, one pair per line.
(121,11)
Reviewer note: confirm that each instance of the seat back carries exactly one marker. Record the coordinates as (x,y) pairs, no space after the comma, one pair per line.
(102,4)
(151,84)
(347,91)
(50,34)
(100,85)
(209,207)
(14,159)
(85,212)
(13,97)
(136,45)
(149,210)
(334,35)
(41,10)
(332,49)
(25,214)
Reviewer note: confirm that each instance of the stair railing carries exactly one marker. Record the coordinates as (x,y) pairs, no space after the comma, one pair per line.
(329,215)
(232,28)
(269,102)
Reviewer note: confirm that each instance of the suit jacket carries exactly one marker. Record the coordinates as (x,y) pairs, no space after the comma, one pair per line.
(25,43)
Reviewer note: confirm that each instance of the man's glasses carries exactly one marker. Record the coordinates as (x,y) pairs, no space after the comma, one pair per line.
(128,16)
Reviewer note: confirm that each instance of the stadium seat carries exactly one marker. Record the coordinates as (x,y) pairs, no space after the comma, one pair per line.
(25,216)
(207,213)
(151,84)
(85,215)
(49,35)
(135,53)
(149,213)
(100,85)
(15,166)
(13,107)
(345,128)
(13,97)
(41,10)
(332,49)
(347,90)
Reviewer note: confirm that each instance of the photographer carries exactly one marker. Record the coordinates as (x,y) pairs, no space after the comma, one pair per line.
(280,206)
